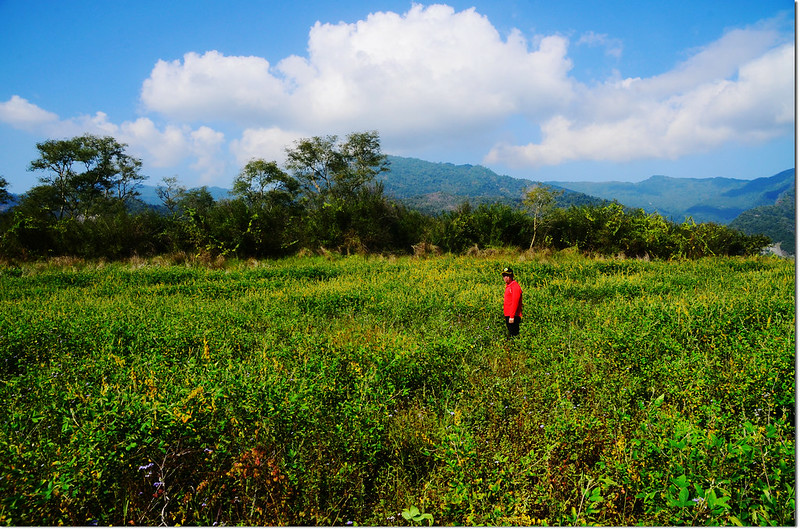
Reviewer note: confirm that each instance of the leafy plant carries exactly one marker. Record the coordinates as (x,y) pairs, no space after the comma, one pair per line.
(413,514)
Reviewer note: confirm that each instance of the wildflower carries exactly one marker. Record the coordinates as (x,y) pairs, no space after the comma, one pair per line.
(145,467)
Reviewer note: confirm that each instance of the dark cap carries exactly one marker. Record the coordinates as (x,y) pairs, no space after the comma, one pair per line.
(508,272)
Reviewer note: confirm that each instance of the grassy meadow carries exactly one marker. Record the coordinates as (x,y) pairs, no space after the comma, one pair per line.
(382,391)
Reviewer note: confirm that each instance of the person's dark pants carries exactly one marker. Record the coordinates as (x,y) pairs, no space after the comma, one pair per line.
(513,328)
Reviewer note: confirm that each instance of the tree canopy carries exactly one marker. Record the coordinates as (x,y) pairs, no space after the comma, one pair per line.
(539,200)
(264,183)
(325,166)
(87,170)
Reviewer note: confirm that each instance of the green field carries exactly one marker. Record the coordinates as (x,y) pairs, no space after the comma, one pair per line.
(320,391)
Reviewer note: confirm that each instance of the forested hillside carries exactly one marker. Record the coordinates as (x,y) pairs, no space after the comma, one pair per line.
(432,187)
(717,200)
(777,221)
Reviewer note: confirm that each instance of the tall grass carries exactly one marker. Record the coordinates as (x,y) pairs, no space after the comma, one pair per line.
(322,391)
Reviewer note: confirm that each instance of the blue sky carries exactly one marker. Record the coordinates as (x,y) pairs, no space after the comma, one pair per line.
(549,91)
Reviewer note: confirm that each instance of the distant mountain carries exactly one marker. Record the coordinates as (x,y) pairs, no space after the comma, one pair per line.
(760,206)
(717,200)
(148,195)
(433,187)
(777,221)
(408,177)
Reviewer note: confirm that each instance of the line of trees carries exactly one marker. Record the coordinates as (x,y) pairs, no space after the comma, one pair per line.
(325,197)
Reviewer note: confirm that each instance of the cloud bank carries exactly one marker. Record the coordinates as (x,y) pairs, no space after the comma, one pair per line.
(436,75)
(740,89)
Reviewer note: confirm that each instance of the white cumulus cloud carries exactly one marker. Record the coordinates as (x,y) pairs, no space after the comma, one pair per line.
(429,72)
(206,145)
(213,86)
(738,89)
(431,69)
(22,114)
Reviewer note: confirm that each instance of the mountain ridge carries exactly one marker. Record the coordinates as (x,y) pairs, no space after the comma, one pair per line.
(763,205)
(714,199)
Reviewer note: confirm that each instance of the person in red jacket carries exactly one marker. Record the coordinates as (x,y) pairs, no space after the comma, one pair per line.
(512,302)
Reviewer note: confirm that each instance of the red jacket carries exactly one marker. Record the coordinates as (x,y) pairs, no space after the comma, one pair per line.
(512,300)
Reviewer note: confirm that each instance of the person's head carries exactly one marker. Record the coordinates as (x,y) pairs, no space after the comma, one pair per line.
(508,275)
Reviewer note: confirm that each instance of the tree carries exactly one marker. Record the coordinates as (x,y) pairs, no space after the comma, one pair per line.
(323,166)
(269,196)
(314,163)
(540,200)
(194,224)
(86,171)
(170,193)
(5,196)
(264,183)
(364,160)
(335,178)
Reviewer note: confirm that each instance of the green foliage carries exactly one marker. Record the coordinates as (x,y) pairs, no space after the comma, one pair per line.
(343,207)
(326,167)
(328,391)
(264,184)
(170,193)
(412,514)
(86,173)
(485,226)
(777,221)
(610,230)
(540,201)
